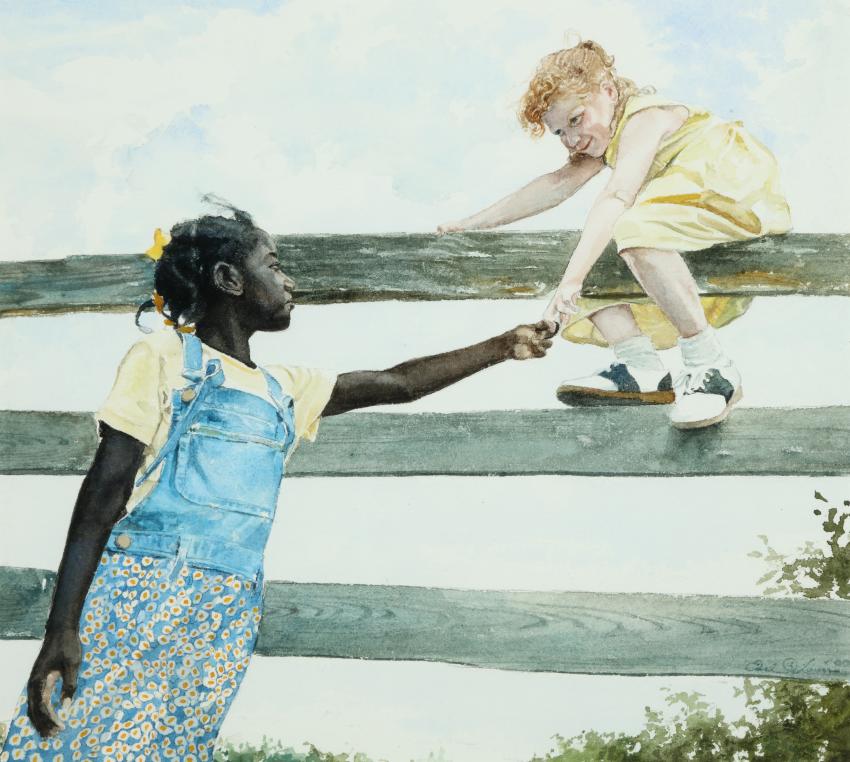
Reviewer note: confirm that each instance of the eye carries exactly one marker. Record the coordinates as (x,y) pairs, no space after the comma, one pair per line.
(576,120)
(556,132)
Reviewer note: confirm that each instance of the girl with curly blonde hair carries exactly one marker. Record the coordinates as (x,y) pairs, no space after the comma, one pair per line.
(682,180)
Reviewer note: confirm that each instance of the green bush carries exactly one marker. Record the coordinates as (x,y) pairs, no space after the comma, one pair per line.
(784,721)
(271,751)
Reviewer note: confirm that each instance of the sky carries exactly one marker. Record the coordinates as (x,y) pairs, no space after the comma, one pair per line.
(369,116)
(396,116)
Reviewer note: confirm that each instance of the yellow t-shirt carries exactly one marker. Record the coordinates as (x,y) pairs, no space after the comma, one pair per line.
(140,401)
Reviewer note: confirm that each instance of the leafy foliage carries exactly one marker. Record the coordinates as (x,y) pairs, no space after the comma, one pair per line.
(275,752)
(784,720)
(815,572)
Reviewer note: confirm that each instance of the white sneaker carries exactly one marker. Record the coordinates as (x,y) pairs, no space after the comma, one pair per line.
(618,384)
(705,395)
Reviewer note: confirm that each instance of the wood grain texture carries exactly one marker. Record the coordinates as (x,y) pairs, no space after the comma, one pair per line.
(356,268)
(594,633)
(610,442)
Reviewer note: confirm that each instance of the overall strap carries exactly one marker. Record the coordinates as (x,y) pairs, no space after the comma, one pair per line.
(193,356)
(283,402)
(189,397)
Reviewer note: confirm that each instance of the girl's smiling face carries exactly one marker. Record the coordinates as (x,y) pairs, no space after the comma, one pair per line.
(267,289)
(583,123)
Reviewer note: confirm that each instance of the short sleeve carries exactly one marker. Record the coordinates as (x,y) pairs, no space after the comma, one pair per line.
(310,389)
(133,404)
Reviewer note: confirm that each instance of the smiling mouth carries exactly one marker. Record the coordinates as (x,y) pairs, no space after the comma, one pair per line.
(585,146)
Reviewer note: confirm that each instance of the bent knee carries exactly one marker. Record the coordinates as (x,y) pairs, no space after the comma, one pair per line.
(633,253)
(642,253)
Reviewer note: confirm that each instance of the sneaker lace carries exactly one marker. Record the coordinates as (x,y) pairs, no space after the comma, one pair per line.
(691,379)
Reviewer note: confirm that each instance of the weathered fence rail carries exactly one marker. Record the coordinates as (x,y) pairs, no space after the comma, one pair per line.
(352,268)
(532,631)
(624,634)
(610,442)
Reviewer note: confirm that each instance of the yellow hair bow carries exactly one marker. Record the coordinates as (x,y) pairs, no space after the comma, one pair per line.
(160,241)
(159,303)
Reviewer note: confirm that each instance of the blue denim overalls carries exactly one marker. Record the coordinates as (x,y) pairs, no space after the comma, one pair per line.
(171,618)
(222,465)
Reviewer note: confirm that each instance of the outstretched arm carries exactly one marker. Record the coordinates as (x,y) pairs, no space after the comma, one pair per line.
(416,378)
(543,193)
(101,500)
(638,147)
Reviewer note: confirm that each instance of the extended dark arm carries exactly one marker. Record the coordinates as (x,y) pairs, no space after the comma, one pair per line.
(101,501)
(416,378)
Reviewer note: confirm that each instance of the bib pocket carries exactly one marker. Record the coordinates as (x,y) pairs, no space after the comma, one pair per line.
(223,469)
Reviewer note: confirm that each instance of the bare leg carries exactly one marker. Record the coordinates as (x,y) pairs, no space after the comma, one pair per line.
(616,323)
(666,279)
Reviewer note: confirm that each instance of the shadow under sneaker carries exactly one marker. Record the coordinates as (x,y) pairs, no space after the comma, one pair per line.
(618,384)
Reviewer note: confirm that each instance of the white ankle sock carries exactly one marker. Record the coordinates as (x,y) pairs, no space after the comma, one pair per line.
(638,352)
(703,349)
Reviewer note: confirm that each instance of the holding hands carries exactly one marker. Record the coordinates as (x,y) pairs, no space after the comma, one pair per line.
(527,341)
(450,227)
(564,302)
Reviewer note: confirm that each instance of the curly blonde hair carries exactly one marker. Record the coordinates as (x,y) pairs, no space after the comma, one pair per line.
(579,70)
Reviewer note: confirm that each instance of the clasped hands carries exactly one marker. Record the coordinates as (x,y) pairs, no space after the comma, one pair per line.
(564,302)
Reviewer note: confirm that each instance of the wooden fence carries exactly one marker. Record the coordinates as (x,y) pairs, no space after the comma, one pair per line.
(627,634)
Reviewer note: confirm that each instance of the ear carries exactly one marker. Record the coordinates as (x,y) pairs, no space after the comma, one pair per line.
(610,90)
(228,279)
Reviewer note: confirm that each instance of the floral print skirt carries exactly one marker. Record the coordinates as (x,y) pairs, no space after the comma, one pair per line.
(165,648)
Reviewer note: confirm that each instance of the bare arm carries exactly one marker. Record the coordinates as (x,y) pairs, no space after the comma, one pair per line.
(416,378)
(101,501)
(542,193)
(638,147)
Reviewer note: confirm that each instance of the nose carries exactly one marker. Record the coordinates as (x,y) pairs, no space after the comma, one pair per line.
(288,283)
(569,139)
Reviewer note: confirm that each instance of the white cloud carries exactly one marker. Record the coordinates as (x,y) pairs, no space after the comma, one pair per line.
(332,117)
(800,97)
(328,117)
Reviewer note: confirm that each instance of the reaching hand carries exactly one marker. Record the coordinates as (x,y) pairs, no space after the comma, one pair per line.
(450,227)
(563,303)
(527,341)
(60,656)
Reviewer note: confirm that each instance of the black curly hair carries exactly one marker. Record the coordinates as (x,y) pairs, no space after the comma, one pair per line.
(183,274)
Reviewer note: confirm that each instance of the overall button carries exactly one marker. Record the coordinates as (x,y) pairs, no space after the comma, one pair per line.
(123,541)
(188,395)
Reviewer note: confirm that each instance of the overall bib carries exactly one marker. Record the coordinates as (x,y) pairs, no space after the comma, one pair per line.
(171,618)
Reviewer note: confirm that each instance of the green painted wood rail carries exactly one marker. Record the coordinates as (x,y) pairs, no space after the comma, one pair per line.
(610,442)
(594,633)
(352,268)
(625,634)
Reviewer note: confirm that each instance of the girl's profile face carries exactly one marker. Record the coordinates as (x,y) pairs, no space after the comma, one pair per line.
(583,123)
(266,288)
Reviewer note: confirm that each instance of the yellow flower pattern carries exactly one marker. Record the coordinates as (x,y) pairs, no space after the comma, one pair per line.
(165,647)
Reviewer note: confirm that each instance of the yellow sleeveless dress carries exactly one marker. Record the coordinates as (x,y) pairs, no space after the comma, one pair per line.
(711,182)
